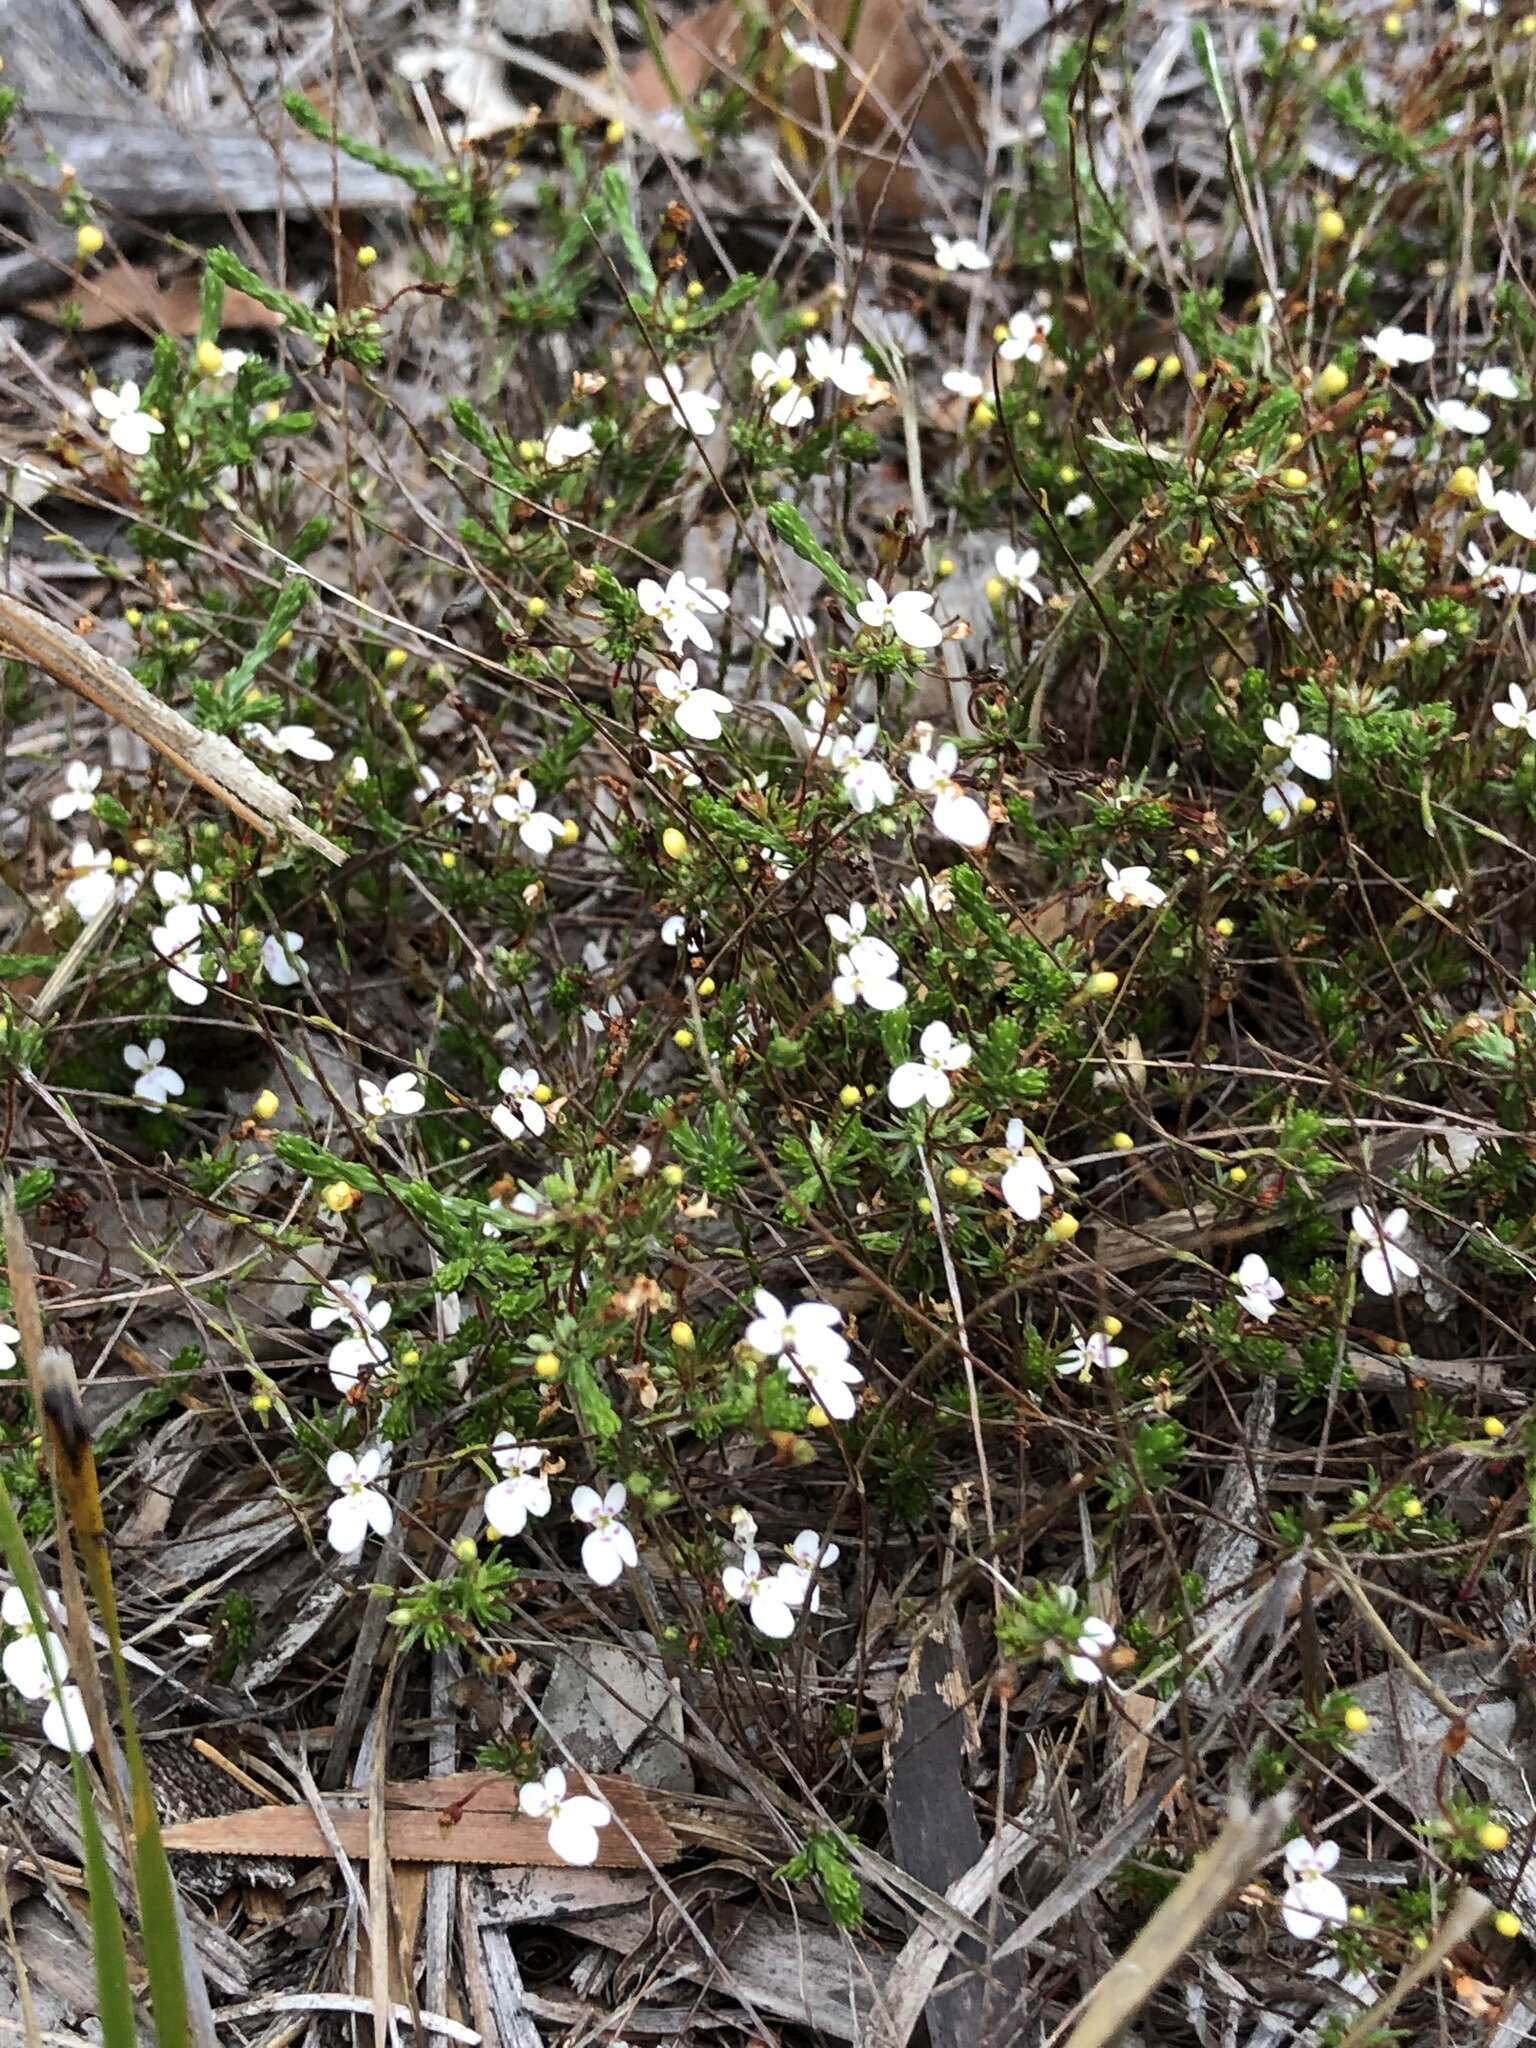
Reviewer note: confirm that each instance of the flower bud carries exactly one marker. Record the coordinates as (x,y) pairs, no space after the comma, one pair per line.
(1492,1426)
(338,1197)
(1507,1924)
(1113,1326)
(1063,1229)
(682,1336)
(682,1038)
(547,1365)
(1493,1837)
(210,358)
(89,240)
(1331,225)
(1102,983)
(1332,380)
(849,1097)
(673,844)
(1294,479)
(366,257)
(466,1550)
(1122,1141)
(1356,1720)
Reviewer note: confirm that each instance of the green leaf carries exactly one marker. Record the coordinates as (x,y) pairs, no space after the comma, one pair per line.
(304,1156)
(285,609)
(614,194)
(788,522)
(599,1417)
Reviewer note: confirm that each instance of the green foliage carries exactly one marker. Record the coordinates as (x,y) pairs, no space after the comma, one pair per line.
(824,1859)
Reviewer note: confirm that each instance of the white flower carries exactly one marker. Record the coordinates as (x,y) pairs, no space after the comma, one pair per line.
(524,1491)
(10,1337)
(298,740)
(847,931)
(908,614)
(925,893)
(808,1333)
(1499,577)
(400,1096)
(1516,511)
(867,783)
(1025,339)
(1312,1900)
(1395,348)
(1281,803)
(1308,751)
(1026,1182)
(696,710)
(29,1657)
(956,813)
(1094,1636)
(78,793)
(809,1554)
(1383,1262)
(1492,381)
(564,445)
(65,1722)
(771,1601)
(350,1302)
(1517,712)
(1445,897)
(173,888)
(522,1112)
(93,886)
(640,1160)
(781,626)
(807,52)
(927,1080)
(677,606)
(1075,507)
(694,410)
(181,942)
(609,1546)
(1454,416)
(359,1506)
(1017,571)
(280,959)
(847,369)
(867,972)
(519,806)
(1091,1353)
(964,383)
(791,406)
(574,1819)
(960,254)
(1133,887)
(1257,1289)
(127,427)
(157,1082)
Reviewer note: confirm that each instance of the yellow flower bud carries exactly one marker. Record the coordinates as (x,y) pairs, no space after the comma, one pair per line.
(1492,1426)
(449,859)
(695,289)
(1356,1720)
(1113,1326)
(133,616)
(395,660)
(543,1092)
(1063,1229)
(946,565)
(501,228)
(1146,368)
(410,1355)
(707,985)
(1307,806)
(1224,927)
(673,844)
(1307,44)
(1412,1508)
(210,358)
(679,324)
(682,1336)
(982,414)
(1294,479)
(849,1097)
(266,1106)
(1238,1176)
(1392,24)
(1507,1924)
(672,1175)
(1168,369)
(89,240)
(1332,379)
(466,1550)
(338,1197)
(682,1038)
(995,589)
(1102,983)
(1331,225)
(1122,1141)
(817,1416)
(958,1177)
(367,256)
(547,1365)
(809,316)
(1066,474)
(1463,483)
(613,134)
(1493,1837)
(261,1404)
(570,832)
(535,608)
(527,450)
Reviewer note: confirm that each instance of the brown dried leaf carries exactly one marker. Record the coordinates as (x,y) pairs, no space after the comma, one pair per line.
(130,293)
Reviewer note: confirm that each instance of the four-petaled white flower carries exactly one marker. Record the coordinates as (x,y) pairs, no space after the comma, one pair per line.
(775,375)
(694,410)
(521,1114)
(847,369)
(960,253)
(1492,381)
(782,625)
(808,1555)
(182,941)
(927,1080)
(523,1492)
(157,1082)
(810,1349)
(1383,1262)
(359,1505)
(574,1818)
(867,783)
(1025,338)
(909,614)
(32,1663)
(1517,712)
(78,794)
(608,1546)
(771,1599)
(1134,887)
(1257,1288)
(1394,347)
(564,445)
(92,885)
(519,806)
(1455,416)
(964,383)
(847,931)
(1017,570)
(1093,1353)
(696,710)
(1308,752)
(867,973)
(1026,1181)
(127,427)
(1084,1659)
(680,606)
(65,1722)
(1312,1900)
(350,1302)
(807,52)
(280,959)
(957,815)
(400,1096)
(10,1337)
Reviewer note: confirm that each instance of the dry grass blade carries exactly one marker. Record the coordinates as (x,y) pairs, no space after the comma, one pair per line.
(1468,1912)
(208,759)
(1180,1920)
